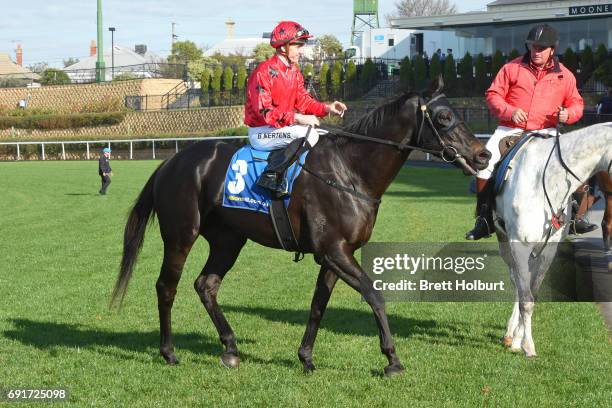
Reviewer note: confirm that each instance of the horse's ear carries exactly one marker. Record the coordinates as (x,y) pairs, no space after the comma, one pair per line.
(436,86)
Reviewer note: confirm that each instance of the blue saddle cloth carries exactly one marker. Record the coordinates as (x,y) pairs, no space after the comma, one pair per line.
(504,164)
(240,190)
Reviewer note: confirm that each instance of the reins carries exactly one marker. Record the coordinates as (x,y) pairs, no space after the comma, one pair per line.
(557,220)
(401,146)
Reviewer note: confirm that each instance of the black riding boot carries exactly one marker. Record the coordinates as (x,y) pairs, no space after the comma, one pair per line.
(484,212)
(273,177)
(583,200)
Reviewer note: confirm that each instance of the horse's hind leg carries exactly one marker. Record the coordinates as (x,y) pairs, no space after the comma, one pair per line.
(224,249)
(169,276)
(605,185)
(325,285)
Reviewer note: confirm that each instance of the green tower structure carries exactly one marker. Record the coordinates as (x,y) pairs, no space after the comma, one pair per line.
(100,66)
(365,17)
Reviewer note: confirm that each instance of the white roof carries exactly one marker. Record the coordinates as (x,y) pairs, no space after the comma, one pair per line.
(123,57)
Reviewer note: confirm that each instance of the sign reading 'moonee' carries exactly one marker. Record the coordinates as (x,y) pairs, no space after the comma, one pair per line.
(594,9)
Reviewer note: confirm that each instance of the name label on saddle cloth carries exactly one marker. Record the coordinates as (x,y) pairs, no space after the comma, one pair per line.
(245,167)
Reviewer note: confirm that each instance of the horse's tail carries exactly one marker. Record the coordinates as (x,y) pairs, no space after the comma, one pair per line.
(142,213)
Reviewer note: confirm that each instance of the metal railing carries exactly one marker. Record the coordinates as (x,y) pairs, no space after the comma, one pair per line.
(82,150)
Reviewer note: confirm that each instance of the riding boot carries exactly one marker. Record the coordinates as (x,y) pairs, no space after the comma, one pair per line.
(273,177)
(583,200)
(484,212)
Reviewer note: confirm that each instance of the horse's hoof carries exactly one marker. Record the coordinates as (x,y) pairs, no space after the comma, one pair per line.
(309,367)
(507,341)
(531,356)
(230,360)
(516,349)
(393,370)
(170,358)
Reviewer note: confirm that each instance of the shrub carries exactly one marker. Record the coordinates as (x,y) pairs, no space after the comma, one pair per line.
(61,121)
(54,77)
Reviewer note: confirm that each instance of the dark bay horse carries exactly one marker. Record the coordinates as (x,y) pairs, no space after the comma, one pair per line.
(186,193)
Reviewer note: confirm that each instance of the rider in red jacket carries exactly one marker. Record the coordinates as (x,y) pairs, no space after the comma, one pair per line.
(528,94)
(278,108)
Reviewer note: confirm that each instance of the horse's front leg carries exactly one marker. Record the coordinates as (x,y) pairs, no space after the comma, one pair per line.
(342,261)
(325,285)
(522,337)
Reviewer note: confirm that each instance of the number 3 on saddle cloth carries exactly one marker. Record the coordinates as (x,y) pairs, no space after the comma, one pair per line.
(240,190)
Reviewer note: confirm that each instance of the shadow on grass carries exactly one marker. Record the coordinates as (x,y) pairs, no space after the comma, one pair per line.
(81,194)
(362,323)
(50,336)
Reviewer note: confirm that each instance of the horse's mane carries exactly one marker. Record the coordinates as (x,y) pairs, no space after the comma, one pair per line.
(374,118)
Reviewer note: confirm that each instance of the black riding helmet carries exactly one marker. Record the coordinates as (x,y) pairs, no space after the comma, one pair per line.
(542,35)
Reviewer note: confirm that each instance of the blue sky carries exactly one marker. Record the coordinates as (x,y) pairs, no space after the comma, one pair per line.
(52,31)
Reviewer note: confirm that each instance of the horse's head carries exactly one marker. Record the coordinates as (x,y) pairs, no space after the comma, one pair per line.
(440,128)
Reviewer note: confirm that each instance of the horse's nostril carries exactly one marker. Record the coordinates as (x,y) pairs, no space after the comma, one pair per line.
(484,155)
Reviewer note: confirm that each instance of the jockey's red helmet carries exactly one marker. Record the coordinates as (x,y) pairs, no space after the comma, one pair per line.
(288,32)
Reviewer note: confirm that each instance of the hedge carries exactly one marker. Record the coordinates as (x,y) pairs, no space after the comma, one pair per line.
(64,121)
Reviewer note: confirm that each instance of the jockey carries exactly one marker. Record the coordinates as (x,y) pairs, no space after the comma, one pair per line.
(528,94)
(279,109)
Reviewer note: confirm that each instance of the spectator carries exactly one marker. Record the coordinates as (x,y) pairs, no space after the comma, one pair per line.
(604,106)
(104,169)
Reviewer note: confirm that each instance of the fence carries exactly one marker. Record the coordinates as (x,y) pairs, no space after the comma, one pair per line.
(191,99)
(90,149)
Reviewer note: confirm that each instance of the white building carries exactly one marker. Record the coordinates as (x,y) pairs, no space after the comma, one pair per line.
(140,62)
(505,24)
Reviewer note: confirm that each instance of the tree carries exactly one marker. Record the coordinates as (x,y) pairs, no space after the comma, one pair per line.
(329,47)
(241,77)
(450,75)
(184,51)
(262,52)
(466,71)
(435,66)
(497,63)
(323,80)
(420,72)
(351,72)
(603,73)
(570,60)
(586,64)
(205,77)
(228,79)
(308,70)
(234,60)
(413,8)
(336,77)
(480,75)
(601,54)
(513,54)
(52,76)
(406,74)
(367,78)
(195,68)
(215,83)
(38,67)
(70,61)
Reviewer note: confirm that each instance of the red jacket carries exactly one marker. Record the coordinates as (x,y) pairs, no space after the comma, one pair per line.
(274,92)
(537,92)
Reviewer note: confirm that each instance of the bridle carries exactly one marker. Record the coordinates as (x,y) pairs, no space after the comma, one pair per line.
(447,152)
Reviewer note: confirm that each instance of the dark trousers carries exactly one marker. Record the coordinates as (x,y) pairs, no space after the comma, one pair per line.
(105,183)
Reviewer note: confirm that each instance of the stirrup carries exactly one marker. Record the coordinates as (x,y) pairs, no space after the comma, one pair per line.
(481,230)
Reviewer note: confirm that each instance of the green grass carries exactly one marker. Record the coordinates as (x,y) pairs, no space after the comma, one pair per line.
(60,248)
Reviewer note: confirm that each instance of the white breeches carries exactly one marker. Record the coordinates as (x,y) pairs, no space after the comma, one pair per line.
(493,146)
(268,138)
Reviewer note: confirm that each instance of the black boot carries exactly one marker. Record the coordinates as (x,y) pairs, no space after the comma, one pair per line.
(273,177)
(583,200)
(484,213)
